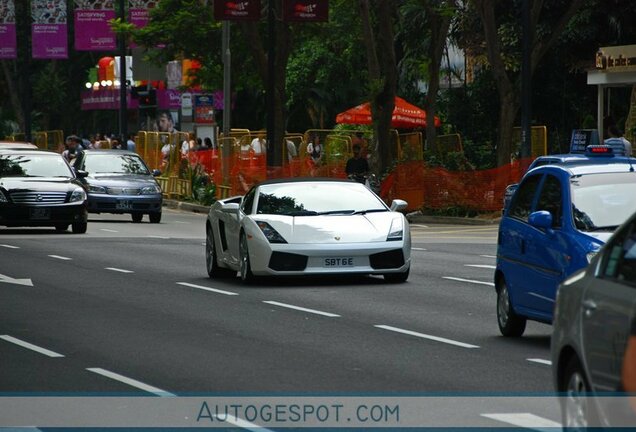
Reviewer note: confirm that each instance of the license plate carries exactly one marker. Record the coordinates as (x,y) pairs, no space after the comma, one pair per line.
(124,205)
(40,213)
(339,262)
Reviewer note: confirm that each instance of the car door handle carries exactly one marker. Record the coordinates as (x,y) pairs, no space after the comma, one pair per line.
(589,306)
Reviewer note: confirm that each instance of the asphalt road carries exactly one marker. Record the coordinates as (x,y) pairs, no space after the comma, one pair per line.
(129,308)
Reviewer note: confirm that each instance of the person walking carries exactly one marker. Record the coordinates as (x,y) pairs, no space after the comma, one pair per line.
(619,144)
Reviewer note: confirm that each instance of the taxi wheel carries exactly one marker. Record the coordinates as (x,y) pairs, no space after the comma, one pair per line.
(578,412)
(155,217)
(79,227)
(510,324)
(137,217)
(244,256)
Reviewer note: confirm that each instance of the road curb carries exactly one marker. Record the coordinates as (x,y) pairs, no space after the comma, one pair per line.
(186,206)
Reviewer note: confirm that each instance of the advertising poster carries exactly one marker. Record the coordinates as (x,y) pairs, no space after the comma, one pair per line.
(92,31)
(306,10)
(139,11)
(237,10)
(49,29)
(7,30)
(204,109)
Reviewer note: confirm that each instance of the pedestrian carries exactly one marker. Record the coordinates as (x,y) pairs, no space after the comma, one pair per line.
(130,144)
(314,150)
(73,148)
(357,166)
(618,143)
(258,145)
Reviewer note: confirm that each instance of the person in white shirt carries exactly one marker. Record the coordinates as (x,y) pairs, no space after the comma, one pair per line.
(291,150)
(258,145)
(619,144)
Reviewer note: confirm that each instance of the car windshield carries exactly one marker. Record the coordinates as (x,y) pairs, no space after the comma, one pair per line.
(34,165)
(603,201)
(114,164)
(317,198)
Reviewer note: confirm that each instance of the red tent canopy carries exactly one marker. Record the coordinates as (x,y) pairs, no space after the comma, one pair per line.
(405,115)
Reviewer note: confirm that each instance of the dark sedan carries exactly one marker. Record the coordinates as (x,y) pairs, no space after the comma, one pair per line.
(119,182)
(39,188)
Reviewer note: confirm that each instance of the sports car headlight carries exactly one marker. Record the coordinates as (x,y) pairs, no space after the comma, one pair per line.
(270,233)
(78,195)
(149,190)
(97,189)
(396,232)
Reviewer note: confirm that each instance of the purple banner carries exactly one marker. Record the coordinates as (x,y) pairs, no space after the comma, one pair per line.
(8,40)
(168,99)
(92,31)
(49,29)
(105,99)
(139,13)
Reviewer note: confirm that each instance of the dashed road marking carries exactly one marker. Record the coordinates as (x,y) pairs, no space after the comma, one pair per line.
(313,311)
(524,420)
(9,246)
(418,249)
(488,256)
(30,346)
(484,266)
(540,361)
(426,336)
(201,287)
(131,382)
(108,230)
(118,270)
(468,280)
(63,258)
(243,424)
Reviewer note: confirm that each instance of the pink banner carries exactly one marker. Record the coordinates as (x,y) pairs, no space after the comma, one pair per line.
(8,39)
(105,99)
(168,99)
(139,13)
(49,29)
(92,31)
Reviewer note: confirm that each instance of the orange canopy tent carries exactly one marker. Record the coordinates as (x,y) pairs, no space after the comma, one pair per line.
(405,115)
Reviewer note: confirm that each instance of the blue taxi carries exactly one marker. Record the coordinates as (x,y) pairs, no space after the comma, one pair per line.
(557,220)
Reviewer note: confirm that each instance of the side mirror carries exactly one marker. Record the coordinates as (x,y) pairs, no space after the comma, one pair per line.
(541,219)
(156,173)
(230,208)
(81,173)
(398,205)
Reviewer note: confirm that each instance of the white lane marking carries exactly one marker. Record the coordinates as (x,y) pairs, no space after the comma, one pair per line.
(108,230)
(130,382)
(426,336)
(118,270)
(30,346)
(182,222)
(158,237)
(525,420)
(63,258)
(313,311)
(9,246)
(540,361)
(243,424)
(418,225)
(10,280)
(214,290)
(488,256)
(203,244)
(418,249)
(484,266)
(468,280)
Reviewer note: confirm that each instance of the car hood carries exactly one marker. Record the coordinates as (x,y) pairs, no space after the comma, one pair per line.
(115,180)
(48,184)
(371,227)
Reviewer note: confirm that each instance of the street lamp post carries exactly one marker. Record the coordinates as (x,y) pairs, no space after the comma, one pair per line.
(123,104)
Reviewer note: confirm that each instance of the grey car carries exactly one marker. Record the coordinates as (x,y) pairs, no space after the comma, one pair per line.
(119,182)
(594,313)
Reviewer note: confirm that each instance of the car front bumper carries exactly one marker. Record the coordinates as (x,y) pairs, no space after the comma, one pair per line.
(101,203)
(42,215)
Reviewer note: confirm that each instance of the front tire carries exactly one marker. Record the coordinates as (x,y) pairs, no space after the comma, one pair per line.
(155,217)
(79,227)
(246,269)
(397,277)
(577,410)
(211,259)
(137,217)
(510,324)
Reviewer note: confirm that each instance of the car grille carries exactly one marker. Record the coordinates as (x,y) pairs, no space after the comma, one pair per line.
(387,260)
(38,197)
(282,261)
(123,191)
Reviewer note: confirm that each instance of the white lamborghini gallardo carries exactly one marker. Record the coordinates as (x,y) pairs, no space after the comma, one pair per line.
(307,226)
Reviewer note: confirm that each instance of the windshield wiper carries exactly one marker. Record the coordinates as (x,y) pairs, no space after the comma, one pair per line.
(301,213)
(603,228)
(334,212)
(361,212)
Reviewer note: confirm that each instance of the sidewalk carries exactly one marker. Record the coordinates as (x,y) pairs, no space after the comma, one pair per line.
(414,217)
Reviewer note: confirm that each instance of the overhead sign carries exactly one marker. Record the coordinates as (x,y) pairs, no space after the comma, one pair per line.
(306,10)
(92,31)
(237,10)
